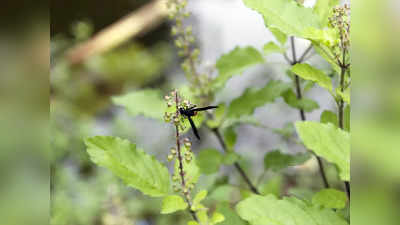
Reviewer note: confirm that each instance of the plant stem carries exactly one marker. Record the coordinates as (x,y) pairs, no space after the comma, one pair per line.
(186,193)
(301,111)
(236,164)
(343,68)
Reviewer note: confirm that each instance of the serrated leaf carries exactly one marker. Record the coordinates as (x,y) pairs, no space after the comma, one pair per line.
(288,16)
(253,98)
(173,203)
(308,72)
(146,102)
(330,198)
(271,47)
(217,218)
(329,117)
(329,142)
(323,9)
(268,210)
(136,168)
(231,217)
(192,171)
(276,160)
(308,105)
(209,161)
(234,63)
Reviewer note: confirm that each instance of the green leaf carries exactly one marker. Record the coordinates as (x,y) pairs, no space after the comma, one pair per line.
(209,161)
(272,186)
(330,198)
(217,218)
(136,168)
(308,72)
(192,171)
(202,216)
(329,117)
(329,142)
(146,102)
(222,193)
(287,131)
(268,210)
(197,200)
(271,47)
(288,16)
(276,160)
(231,218)
(308,105)
(253,98)
(323,9)
(230,158)
(230,137)
(279,35)
(234,63)
(173,203)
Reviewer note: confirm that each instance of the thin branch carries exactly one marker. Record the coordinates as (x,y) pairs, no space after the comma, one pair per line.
(236,164)
(302,57)
(119,32)
(301,111)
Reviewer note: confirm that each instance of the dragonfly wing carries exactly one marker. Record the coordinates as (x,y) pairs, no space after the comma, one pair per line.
(193,127)
(205,108)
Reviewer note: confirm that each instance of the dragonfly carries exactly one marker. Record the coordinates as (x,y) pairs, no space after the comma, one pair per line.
(192,111)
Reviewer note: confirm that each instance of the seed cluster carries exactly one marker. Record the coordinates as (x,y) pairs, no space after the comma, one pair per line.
(182,154)
(340,20)
(185,41)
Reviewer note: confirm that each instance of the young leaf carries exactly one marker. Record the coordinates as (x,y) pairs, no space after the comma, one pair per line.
(235,62)
(329,117)
(268,210)
(209,161)
(253,98)
(276,160)
(308,72)
(308,105)
(326,53)
(271,47)
(287,131)
(330,198)
(173,203)
(288,16)
(329,142)
(217,218)
(197,200)
(146,102)
(136,168)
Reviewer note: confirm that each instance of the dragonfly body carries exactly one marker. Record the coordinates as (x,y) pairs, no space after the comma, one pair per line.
(192,111)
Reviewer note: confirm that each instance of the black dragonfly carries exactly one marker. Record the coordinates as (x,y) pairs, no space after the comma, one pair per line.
(192,111)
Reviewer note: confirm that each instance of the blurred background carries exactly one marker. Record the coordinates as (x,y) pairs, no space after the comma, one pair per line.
(53,180)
